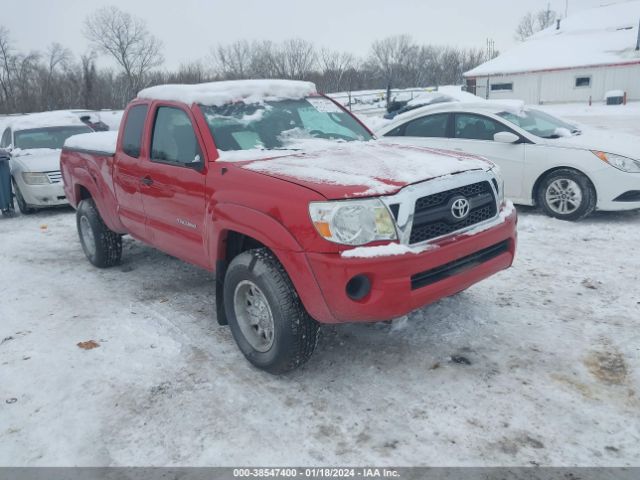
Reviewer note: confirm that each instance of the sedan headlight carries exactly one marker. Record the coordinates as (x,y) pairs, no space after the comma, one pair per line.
(625,164)
(35,178)
(353,222)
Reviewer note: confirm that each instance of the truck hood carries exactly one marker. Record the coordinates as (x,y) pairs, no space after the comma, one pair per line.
(601,140)
(358,169)
(36,160)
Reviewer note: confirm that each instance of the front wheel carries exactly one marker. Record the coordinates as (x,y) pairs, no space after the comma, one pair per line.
(567,195)
(267,318)
(23,206)
(102,246)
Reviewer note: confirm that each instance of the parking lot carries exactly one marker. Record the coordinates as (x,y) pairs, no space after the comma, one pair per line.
(537,365)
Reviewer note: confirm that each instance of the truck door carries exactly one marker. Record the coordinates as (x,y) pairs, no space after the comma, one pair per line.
(129,170)
(173,187)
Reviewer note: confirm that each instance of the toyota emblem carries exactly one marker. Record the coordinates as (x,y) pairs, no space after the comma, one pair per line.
(460,208)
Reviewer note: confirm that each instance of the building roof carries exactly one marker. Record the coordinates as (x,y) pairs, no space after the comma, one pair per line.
(599,36)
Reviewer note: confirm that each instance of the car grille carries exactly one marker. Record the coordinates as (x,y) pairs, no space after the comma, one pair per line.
(433,215)
(54,177)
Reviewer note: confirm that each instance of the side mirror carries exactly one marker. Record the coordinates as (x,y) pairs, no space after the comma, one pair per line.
(506,137)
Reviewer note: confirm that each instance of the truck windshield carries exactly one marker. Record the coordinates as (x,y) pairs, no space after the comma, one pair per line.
(51,137)
(540,124)
(280,124)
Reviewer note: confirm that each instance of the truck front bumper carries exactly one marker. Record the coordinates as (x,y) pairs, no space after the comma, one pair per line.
(400,284)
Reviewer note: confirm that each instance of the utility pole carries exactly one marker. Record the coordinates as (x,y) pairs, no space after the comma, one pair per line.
(638,41)
(566,8)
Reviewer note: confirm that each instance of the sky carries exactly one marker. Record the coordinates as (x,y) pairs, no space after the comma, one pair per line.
(189,28)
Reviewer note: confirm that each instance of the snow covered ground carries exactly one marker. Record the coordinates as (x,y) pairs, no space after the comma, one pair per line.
(538,365)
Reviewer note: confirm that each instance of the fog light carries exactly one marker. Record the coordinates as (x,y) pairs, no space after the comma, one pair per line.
(358,287)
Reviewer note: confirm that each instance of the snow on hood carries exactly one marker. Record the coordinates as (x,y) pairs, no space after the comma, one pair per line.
(220,93)
(37,159)
(362,168)
(95,141)
(602,140)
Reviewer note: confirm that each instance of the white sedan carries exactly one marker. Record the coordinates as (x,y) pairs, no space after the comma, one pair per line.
(568,171)
(34,142)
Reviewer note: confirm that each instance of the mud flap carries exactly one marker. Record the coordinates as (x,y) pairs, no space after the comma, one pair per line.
(221,271)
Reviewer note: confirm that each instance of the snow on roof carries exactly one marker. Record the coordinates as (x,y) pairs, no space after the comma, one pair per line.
(59,118)
(219,93)
(94,142)
(599,36)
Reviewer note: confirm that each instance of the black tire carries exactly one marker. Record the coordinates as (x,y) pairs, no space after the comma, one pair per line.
(572,211)
(295,333)
(102,246)
(23,206)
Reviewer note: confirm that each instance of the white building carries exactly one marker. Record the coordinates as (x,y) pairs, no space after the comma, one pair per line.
(590,53)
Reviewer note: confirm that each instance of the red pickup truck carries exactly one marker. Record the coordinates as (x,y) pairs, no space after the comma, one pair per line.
(304,216)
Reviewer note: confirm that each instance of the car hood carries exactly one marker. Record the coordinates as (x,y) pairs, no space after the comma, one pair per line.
(36,160)
(359,169)
(602,140)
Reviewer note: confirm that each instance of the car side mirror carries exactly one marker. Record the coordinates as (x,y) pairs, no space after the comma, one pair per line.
(506,137)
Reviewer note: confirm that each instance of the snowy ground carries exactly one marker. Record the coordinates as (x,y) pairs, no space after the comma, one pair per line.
(547,366)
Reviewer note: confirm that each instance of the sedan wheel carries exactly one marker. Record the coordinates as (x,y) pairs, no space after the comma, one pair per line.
(566,194)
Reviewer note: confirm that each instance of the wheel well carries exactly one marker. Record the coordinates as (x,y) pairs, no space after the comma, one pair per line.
(236,243)
(536,186)
(83,193)
(233,244)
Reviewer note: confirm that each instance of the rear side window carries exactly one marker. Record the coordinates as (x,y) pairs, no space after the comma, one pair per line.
(430,126)
(133,128)
(174,140)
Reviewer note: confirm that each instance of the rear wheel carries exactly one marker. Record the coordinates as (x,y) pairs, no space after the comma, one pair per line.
(566,194)
(23,206)
(267,318)
(102,246)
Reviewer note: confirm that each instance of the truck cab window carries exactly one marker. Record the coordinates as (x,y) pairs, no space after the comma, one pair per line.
(132,134)
(174,140)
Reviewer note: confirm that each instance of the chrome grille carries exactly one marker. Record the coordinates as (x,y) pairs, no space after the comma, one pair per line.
(54,177)
(432,215)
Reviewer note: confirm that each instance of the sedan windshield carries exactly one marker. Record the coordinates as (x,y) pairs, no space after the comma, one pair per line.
(52,137)
(540,124)
(280,124)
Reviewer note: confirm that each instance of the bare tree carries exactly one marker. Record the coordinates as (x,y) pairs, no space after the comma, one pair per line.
(293,59)
(128,41)
(534,22)
(233,61)
(390,56)
(335,68)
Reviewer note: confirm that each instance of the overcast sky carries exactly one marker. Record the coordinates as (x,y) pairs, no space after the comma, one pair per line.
(188,28)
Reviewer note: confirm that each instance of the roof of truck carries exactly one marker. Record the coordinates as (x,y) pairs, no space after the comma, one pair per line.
(220,93)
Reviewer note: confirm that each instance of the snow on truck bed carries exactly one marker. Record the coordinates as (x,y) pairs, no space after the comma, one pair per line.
(95,142)
(219,93)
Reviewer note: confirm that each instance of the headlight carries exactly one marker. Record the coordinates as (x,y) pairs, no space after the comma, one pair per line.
(621,163)
(35,178)
(500,183)
(353,222)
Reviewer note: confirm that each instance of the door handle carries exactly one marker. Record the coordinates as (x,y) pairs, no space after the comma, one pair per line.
(148,181)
